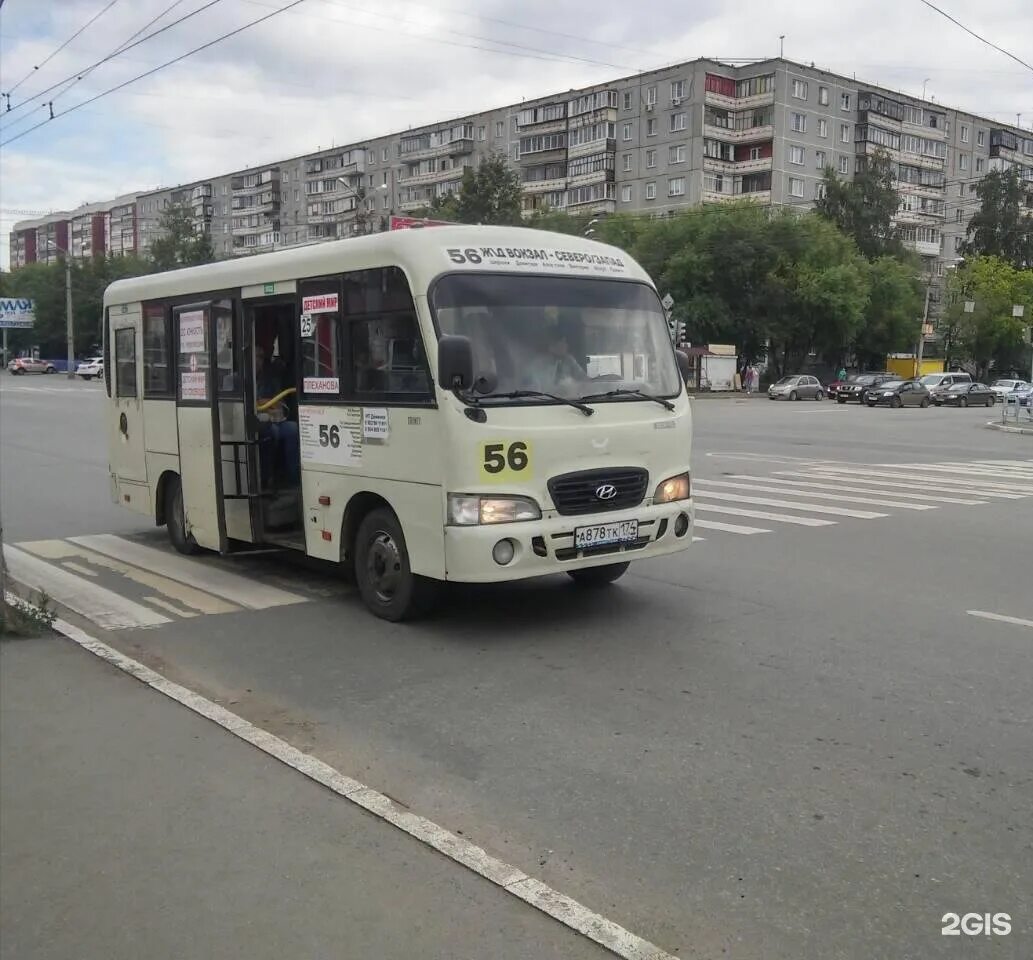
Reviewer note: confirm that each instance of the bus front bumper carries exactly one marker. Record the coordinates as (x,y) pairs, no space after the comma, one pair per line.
(541,547)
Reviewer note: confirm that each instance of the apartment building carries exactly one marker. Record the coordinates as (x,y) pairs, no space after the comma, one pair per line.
(94,229)
(650,144)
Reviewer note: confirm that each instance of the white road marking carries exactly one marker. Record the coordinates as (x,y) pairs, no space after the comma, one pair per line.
(991,469)
(696,539)
(763,488)
(896,494)
(195,573)
(1001,617)
(165,605)
(789,504)
(919,480)
(512,879)
(904,484)
(728,527)
(958,475)
(763,515)
(104,607)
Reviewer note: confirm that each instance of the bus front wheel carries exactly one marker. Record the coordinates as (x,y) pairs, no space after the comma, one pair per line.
(598,576)
(175,518)
(387,584)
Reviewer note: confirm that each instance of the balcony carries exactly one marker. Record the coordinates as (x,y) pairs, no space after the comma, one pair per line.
(409,205)
(746,135)
(593,146)
(904,187)
(741,103)
(737,166)
(243,185)
(924,248)
(546,126)
(435,176)
(921,160)
(594,206)
(593,176)
(544,186)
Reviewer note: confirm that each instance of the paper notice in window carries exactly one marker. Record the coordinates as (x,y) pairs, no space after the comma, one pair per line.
(375,425)
(191,332)
(193,386)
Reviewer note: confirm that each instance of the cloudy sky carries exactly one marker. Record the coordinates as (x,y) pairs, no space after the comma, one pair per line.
(334,71)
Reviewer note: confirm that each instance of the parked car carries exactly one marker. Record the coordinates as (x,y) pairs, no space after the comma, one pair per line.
(1003,388)
(20,365)
(831,389)
(964,395)
(898,393)
(937,381)
(800,387)
(88,369)
(856,384)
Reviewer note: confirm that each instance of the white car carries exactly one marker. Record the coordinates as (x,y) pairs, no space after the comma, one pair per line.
(1003,388)
(88,369)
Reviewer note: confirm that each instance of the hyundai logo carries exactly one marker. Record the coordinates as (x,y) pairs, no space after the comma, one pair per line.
(606,491)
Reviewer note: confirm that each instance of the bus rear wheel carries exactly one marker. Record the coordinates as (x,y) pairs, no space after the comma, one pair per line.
(386,582)
(175,518)
(599,576)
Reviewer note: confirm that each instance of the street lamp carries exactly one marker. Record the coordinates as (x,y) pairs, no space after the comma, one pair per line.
(359,197)
(588,228)
(69,323)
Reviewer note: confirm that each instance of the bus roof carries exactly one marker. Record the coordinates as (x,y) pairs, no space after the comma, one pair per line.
(423,254)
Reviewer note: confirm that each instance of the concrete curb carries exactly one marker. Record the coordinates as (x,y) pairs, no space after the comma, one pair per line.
(1008,428)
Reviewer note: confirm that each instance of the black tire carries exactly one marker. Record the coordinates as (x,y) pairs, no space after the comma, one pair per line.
(963,402)
(871,405)
(925,402)
(793,395)
(819,396)
(989,401)
(87,376)
(896,403)
(16,372)
(388,586)
(599,576)
(175,519)
(840,399)
(50,370)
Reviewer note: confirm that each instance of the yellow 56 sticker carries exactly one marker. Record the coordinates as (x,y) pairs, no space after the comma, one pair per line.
(502,461)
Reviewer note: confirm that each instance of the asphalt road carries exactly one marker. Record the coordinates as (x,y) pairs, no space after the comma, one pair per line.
(796,743)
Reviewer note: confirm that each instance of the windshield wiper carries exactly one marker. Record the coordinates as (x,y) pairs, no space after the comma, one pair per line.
(666,404)
(513,394)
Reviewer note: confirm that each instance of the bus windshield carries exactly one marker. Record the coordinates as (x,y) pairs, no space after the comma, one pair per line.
(570,336)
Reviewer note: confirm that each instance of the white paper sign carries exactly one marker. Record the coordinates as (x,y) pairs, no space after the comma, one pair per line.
(193,386)
(308,325)
(323,303)
(191,332)
(322,385)
(330,435)
(375,425)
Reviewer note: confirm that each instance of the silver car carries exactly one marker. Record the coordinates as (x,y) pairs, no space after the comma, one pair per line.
(800,387)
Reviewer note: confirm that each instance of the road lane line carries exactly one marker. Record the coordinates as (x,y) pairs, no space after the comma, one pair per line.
(957,475)
(1001,617)
(904,484)
(987,470)
(895,494)
(763,487)
(919,479)
(788,504)
(205,576)
(512,879)
(763,515)
(104,607)
(171,607)
(728,527)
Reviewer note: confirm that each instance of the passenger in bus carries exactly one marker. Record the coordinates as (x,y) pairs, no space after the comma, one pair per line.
(278,444)
(552,368)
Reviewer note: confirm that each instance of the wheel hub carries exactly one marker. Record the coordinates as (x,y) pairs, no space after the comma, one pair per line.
(384,566)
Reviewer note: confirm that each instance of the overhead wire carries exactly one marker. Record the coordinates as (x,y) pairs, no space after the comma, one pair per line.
(989,43)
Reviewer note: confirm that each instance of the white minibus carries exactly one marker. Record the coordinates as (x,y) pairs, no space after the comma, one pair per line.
(460,403)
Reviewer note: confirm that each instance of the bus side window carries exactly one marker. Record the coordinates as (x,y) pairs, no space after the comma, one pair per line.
(320,337)
(157,376)
(125,362)
(107,351)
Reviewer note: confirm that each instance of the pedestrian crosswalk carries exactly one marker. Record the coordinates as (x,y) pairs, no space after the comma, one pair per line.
(826,493)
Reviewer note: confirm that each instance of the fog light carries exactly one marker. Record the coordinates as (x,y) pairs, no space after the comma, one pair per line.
(681,525)
(503,552)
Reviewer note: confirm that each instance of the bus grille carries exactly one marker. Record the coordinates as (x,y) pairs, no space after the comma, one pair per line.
(577,493)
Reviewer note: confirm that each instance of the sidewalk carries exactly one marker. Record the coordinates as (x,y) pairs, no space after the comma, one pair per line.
(130,826)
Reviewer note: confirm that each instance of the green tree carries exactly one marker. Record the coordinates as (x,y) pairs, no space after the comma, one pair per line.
(863,208)
(489,194)
(181,244)
(892,317)
(1003,226)
(990,336)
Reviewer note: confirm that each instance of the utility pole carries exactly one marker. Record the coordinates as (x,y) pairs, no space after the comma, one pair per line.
(69,324)
(921,333)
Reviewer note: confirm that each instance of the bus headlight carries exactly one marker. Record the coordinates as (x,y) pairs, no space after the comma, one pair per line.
(465,510)
(673,488)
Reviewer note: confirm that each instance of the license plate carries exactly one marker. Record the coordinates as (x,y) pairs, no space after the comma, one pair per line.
(605,534)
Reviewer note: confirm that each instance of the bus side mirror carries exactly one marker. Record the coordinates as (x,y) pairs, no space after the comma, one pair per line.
(683,363)
(455,362)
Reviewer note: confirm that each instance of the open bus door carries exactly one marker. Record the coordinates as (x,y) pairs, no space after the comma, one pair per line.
(197,418)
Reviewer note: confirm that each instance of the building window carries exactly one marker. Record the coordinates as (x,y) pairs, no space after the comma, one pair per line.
(844,164)
(980,138)
(225,189)
(651,95)
(844,132)
(819,159)
(482,133)
(651,127)
(627,162)
(795,187)
(844,101)
(756,153)
(676,187)
(627,99)
(795,155)
(823,128)
(626,193)
(286,176)
(964,133)
(819,191)
(226,228)
(823,96)
(678,121)
(499,128)
(650,158)
(125,362)
(371,157)
(798,122)
(979,164)
(676,154)
(800,89)
(651,190)
(626,132)
(963,161)
(297,197)
(958,243)
(677,89)
(957,215)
